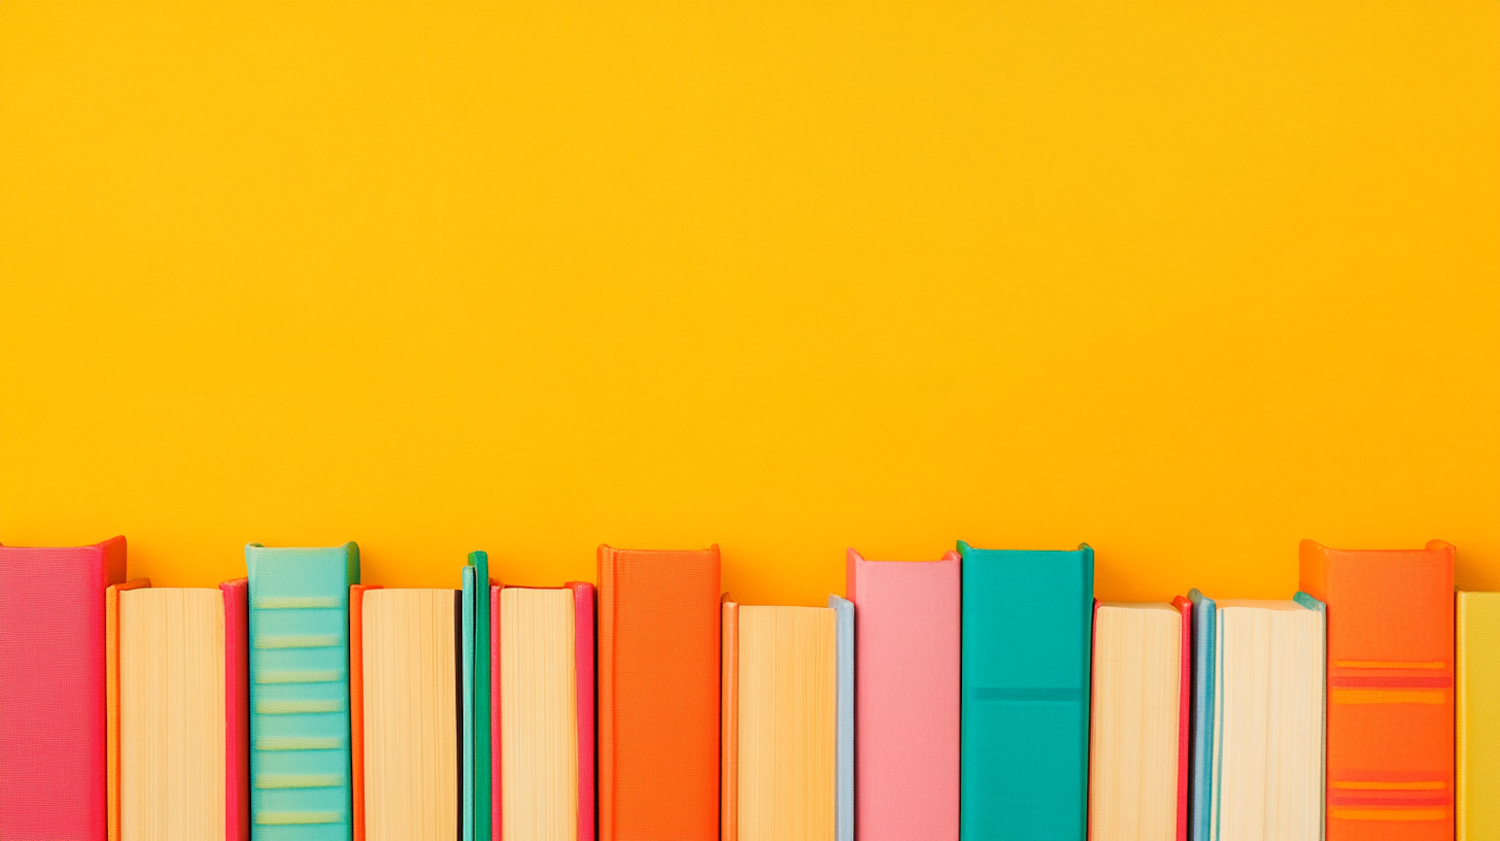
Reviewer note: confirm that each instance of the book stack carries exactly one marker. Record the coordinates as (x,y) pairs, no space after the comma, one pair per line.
(982,696)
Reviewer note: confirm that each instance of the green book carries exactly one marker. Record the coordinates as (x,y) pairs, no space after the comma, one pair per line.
(476,680)
(1025,720)
(300,778)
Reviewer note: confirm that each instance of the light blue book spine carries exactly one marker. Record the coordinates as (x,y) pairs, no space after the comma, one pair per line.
(1205,673)
(468,702)
(1027,633)
(300,776)
(844,749)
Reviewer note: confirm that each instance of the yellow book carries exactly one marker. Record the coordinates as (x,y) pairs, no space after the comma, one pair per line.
(1478,716)
(171,714)
(410,673)
(784,670)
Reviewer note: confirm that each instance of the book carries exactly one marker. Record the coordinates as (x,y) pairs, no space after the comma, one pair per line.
(543,712)
(476,644)
(843,617)
(1390,689)
(1138,741)
(52,698)
(178,722)
(1200,750)
(658,684)
(1261,706)
(1025,711)
(1478,724)
(907,694)
(300,763)
(408,674)
(782,735)
(357,707)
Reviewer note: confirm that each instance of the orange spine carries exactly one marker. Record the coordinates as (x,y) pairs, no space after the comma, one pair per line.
(729,826)
(357,702)
(112,701)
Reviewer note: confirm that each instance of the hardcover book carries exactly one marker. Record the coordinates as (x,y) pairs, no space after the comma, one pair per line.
(1258,701)
(476,644)
(300,763)
(178,720)
(52,696)
(1025,714)
(907,694)
(843,616)
(1390,689)
(1478,716)
(543,712)
(658,670)
(1138,753)
(781,732)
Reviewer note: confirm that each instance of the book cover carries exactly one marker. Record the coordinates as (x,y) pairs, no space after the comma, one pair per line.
(1390,689)
(843,612)
(1201,744)
(907,696)
(112,699)
(300,765)
(52,701)
(1478,716)
(658,685)
(1025,712)
(236,595)
(476,661)
(1184,716)
(357,704)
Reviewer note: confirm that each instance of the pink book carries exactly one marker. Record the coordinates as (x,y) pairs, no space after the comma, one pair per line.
(236,709)
(52,695)
(1184,713)
(906,697)
(583,663)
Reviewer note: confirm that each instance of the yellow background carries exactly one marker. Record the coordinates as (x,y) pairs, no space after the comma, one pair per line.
(1189,282)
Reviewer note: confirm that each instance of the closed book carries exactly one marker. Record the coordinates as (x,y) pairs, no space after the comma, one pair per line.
(843,617)
(1138,721)
(1478,716)
(1390,689)
(407,670)
(300,762)
(52,694)
(658,670)
(178,719)
(476,644)
(1260,706)
(543,712)
(1025,715)
(784,732)
(907,696)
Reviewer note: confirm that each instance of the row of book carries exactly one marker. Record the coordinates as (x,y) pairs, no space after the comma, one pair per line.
(985,695)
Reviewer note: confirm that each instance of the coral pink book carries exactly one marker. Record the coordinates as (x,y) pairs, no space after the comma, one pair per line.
(52,697)
(542,713)
(906,697)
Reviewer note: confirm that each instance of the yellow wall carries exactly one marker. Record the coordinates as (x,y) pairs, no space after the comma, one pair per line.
(1189,282)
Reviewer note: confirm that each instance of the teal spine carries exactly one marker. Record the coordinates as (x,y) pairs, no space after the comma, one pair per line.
(477,758)
(300,777)
(1027,634)
(1205,673)
(844,747)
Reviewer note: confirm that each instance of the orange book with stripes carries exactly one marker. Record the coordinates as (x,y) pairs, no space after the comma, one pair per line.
(659,623)
(1390,690)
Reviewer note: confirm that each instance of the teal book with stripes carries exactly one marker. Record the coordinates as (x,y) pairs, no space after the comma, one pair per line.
(300,787)
(1027,633)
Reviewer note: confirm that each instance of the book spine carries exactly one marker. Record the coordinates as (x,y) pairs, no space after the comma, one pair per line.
(357,702)
(112,699)
(1184,715)
(729,772)
(844,747)
(469,693)
(300,763)
(497,731)
(605,672)
(480,563)
(236,709)
(583,664)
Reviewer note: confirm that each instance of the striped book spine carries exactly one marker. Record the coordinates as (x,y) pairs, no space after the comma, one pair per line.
(299,692)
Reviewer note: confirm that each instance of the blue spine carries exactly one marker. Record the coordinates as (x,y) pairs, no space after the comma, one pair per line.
(300,775)
(844,749)
(468,703)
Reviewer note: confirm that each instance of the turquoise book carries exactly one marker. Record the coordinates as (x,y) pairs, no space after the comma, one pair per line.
(1027,634)
(476,694)
(300,787)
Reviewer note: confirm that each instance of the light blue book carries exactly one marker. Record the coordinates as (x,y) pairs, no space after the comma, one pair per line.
(844,747)
(300,786)
(1027,627)
(1201,749)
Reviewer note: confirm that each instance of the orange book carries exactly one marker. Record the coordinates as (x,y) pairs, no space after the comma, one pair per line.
(659,622)
(1390,690)
(357,702)
(112,699)
(729,818)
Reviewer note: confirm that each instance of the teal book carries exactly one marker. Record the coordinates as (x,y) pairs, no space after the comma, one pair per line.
(300,788)
(476,693)
(1027,634)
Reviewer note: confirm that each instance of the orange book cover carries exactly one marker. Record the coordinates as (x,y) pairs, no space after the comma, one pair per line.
(112,701)
(659,621)
(729,820)
(1390,690)
(357,703)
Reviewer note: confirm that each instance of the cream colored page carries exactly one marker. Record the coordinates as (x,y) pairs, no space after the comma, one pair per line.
(787,723)
(171,714)
(1133,753)
(539,715)
(411,724)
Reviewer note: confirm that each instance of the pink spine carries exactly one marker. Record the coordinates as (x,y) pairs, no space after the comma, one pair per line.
(236,710)
(583,662)
(907,696)
(1184,711)
(497,764)
(52,719)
